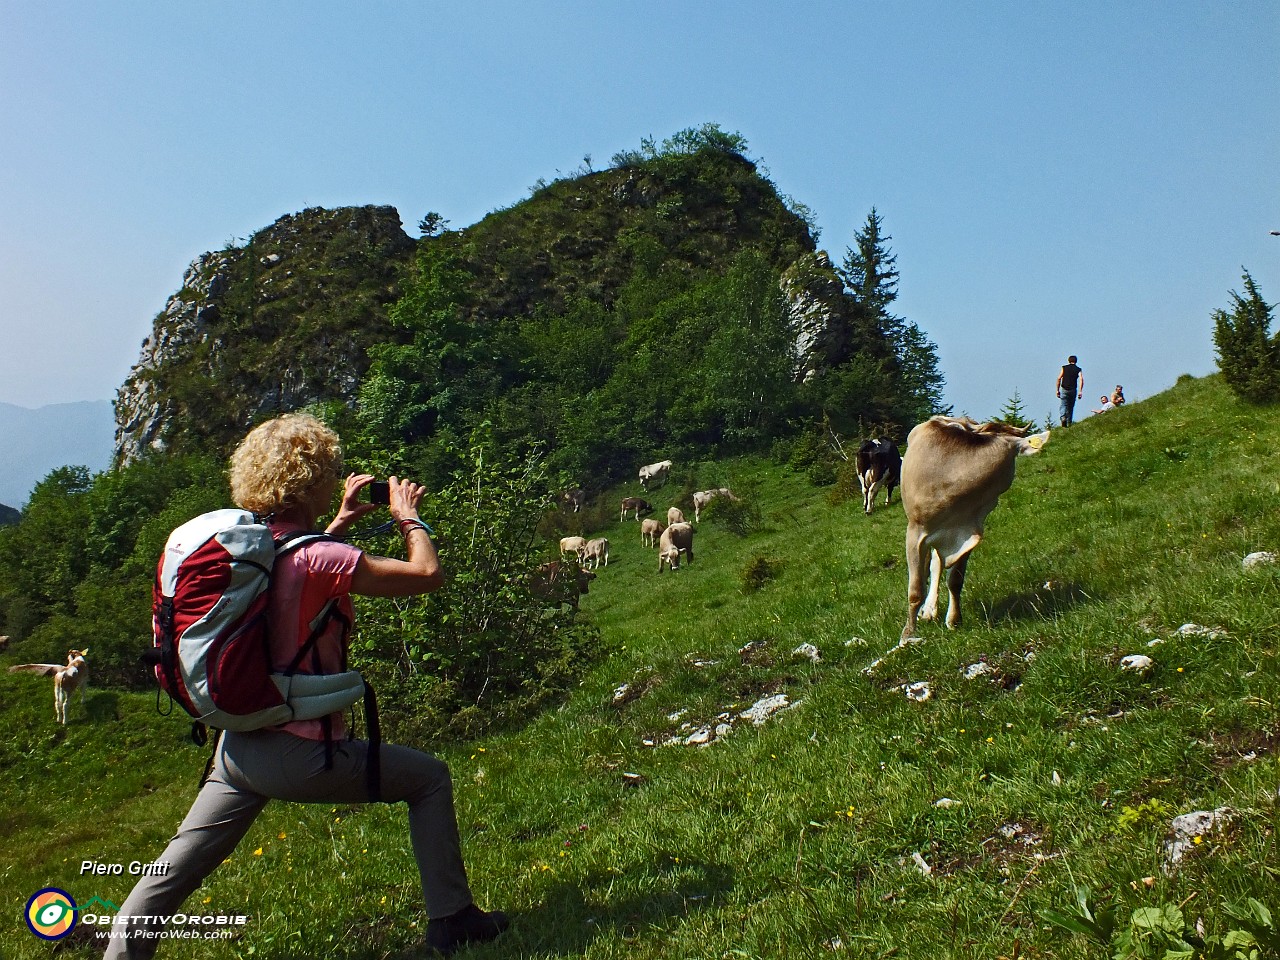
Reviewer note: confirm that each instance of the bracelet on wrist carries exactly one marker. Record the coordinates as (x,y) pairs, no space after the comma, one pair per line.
(409,523)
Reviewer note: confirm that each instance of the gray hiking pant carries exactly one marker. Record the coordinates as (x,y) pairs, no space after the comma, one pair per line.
(250,769)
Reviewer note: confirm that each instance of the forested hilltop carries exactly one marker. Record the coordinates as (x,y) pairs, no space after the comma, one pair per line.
(674,305)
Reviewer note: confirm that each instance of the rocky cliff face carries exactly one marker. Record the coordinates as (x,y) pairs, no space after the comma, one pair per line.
(283,322)
(820,312)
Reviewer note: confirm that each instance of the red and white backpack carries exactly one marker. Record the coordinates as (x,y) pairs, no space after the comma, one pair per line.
(210,619)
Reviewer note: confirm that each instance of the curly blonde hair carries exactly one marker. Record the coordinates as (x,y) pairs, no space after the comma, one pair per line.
(280,462)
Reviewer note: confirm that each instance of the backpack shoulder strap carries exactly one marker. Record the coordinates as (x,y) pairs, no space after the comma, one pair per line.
(296,539)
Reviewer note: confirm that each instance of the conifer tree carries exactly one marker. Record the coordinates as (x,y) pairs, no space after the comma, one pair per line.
(870,272)
(1248,355)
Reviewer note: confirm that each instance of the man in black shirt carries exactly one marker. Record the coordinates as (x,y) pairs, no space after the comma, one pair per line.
(1070,389)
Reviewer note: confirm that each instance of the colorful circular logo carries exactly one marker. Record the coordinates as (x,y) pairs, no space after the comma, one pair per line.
(51,913)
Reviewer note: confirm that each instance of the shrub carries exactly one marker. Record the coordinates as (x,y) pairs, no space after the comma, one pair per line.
(739,514)
(758,571)
(483,650)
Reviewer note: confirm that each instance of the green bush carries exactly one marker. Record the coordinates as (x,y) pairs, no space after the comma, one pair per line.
(483,651)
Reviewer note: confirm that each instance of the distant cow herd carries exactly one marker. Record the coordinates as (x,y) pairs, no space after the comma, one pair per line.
(673,540)
(951,478)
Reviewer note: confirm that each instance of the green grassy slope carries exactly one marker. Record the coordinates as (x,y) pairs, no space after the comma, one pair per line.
(797,838)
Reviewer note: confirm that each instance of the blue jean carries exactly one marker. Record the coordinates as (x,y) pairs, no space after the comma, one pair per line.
(1067,407)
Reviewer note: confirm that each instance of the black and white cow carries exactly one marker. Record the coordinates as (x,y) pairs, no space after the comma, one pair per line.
(879,465)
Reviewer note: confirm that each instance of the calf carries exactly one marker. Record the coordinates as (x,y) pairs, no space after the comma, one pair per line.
(655,472)
(574,498)
(879,464)
(674,515)
(675,540)
(66,679)
(952,476)
(595,551)
(559,582)
(634,504)
(650,530)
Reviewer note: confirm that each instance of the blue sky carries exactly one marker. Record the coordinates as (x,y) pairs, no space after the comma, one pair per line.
(1086,177)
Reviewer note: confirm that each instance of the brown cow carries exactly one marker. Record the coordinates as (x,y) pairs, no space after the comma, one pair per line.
(636,505)
(952,476)
(595,551)
(560,582)
(675,540)
(68,678)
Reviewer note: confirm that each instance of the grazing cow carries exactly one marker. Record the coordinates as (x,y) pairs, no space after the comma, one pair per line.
(674,515)
(656,472)
(66,679)
(573,545)
(634,504)
(703,497)
(952,476)
(560,582)
(879,464)
(574,498)
(675,540)
(650,530)
(596,550)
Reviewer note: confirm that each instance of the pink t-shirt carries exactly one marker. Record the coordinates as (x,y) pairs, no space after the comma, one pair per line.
(302,582)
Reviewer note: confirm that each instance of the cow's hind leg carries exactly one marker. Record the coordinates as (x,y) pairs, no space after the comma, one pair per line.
(917,559)
(930,609)
(955,583)
(872,489)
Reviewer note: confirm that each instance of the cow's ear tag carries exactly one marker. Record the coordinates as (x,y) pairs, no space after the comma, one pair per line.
(1035,442)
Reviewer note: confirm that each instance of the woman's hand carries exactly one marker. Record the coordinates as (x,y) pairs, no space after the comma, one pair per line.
(405,497)
(351,509)
(420,572)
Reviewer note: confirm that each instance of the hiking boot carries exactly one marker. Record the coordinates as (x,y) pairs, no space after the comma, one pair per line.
(470,925)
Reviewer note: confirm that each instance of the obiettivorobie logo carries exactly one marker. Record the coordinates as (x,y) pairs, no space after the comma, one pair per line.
(52,913)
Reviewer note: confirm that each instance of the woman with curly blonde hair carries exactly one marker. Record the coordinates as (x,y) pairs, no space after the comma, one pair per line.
(287,472)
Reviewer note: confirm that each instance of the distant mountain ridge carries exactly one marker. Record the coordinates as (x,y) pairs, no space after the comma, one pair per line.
(38,440)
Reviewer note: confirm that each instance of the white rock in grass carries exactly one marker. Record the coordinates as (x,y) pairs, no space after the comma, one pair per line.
(807,650)
(760,711)
(621,693)
(1056,779)
(1196,630)
(700,737)
(918,691)
(975,670)
(1157,642)
(855,642)
(1137,663)
(1259,559)
(920,863)
(946,803)
(1189,827)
